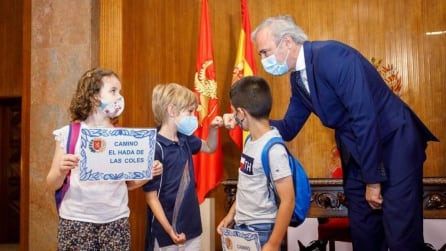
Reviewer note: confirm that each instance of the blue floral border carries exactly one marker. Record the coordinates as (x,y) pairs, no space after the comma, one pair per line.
(88,174)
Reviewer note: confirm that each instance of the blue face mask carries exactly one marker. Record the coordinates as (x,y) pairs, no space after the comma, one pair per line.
(273,67)
(188,125)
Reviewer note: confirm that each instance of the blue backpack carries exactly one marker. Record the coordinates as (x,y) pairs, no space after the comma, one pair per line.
(301,182)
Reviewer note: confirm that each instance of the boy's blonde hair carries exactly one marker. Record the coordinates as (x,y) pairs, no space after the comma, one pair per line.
(165,94)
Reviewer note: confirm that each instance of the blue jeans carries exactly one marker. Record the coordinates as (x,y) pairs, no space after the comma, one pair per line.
(263,229)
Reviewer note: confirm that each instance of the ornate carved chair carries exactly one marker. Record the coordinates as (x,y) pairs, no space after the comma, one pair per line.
(334,228)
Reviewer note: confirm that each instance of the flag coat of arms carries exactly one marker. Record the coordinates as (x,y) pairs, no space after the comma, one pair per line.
(208,167)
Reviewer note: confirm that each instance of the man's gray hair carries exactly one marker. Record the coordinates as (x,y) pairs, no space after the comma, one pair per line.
(281,26)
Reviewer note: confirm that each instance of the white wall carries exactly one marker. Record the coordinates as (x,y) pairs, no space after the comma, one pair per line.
(207,210)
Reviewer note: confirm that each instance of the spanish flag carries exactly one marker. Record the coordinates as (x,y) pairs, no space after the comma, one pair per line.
(208,167)
(244,65)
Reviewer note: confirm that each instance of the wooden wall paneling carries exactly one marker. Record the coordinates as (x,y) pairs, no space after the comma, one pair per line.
(157,50)
(111,56)
(432,85)
(160,39)
(10,48)
(109,33)
(136,110)
(25,123)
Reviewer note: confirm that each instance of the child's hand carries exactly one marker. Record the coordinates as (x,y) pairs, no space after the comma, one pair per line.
(68,162)
(227,220)
(178,239)
(157,168)
(229,120)
(217,122)
(268,246)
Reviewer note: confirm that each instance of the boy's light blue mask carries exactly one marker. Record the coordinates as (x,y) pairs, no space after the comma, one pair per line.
(188,125)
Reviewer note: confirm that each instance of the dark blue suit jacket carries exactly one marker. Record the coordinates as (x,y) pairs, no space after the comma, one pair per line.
(350,96)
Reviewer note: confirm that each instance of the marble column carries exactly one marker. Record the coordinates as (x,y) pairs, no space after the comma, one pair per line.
(64,44)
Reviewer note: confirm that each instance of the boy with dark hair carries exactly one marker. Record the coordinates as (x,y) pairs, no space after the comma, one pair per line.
(255,208)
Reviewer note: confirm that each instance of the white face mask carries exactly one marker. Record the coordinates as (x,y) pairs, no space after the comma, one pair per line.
(113,109)
(273,67)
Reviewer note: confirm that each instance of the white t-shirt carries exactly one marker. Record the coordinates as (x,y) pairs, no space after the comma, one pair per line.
(255,203)
(87,201)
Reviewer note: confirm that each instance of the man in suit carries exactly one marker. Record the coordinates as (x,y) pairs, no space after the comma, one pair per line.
(381,140)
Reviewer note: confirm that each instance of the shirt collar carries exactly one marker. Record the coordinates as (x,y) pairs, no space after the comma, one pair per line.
(300,64)
(166,142)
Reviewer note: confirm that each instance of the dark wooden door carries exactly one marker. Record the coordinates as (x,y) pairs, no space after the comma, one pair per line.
(10,114)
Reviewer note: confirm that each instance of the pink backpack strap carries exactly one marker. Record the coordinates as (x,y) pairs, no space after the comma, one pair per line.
(73,135)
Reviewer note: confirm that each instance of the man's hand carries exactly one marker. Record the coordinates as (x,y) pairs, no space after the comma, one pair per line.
(229,120)
(373,195)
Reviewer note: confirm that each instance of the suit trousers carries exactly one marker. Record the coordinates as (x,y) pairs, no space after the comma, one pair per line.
(398,226)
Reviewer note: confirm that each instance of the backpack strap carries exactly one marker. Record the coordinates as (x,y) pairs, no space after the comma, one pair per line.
(265,162)
(73,135)
(150,239)
(300,182)
(265,152)
(265,158)
(162,160)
